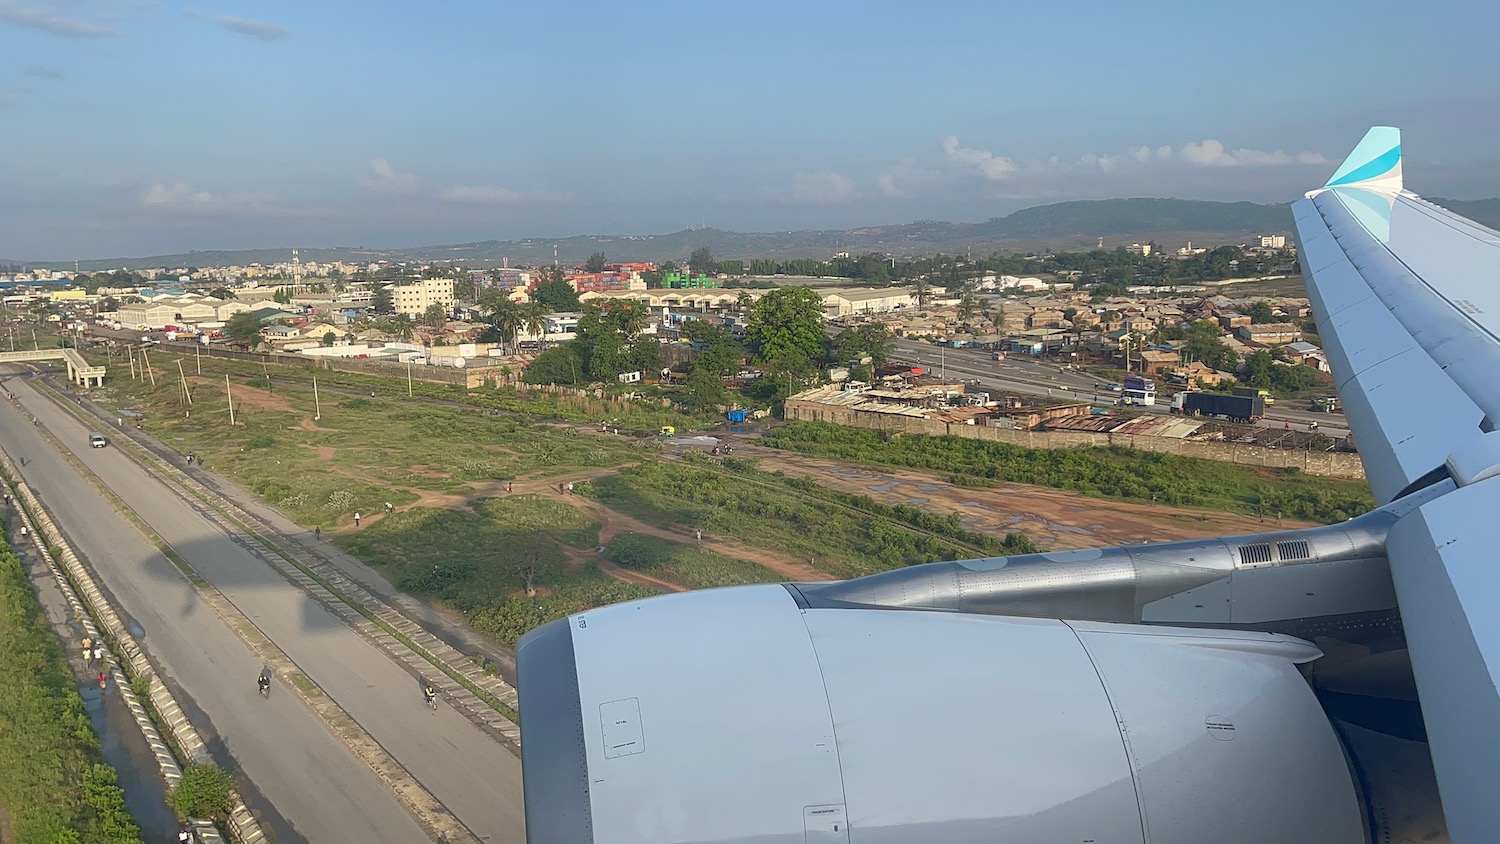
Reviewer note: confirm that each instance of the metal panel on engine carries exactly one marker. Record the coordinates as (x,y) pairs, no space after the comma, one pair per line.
(711,723)
(957,728)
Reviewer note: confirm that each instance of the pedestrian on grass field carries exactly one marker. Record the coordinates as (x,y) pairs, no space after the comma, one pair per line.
(356,520)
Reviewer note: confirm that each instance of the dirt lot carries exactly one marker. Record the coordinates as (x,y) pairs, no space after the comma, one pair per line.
(1053,519)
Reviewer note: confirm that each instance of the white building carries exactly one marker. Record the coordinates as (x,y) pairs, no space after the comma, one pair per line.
(1273,241)
(415,298)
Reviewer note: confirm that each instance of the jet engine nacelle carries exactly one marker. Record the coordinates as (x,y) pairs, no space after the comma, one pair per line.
(739,715)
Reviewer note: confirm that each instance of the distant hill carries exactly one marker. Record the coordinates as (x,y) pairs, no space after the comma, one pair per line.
(1063,225)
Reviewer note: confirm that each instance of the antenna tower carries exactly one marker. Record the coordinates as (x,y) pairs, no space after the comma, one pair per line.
(296,269)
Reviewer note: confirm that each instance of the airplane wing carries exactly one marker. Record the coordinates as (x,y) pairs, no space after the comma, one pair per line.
(1407,302)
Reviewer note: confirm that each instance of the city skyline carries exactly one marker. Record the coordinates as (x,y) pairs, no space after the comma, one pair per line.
(142,127)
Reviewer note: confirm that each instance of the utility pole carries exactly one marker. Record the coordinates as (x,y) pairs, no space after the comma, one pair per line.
(267,374)
(230,396)
(186,393)
(34,346)
(147,359)
(408,379)
(198,358)
(317,406)
(130,352)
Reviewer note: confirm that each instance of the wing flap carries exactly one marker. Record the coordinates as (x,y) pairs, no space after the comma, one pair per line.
(1443,565)
(1390,385)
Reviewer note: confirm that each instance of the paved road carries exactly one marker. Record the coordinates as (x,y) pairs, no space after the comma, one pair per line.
(1020,375)
(311,779)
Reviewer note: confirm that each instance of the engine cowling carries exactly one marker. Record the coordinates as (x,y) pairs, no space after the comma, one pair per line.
(737,715)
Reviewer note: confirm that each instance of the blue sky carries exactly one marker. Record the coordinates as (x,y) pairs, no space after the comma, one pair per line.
(133,127)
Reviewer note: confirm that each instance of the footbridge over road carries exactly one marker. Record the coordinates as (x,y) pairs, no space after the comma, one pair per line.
(80,371)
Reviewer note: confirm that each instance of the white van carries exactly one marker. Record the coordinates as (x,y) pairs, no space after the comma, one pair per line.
(97,441)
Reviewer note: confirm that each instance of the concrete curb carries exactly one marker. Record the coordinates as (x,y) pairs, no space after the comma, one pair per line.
(69,570)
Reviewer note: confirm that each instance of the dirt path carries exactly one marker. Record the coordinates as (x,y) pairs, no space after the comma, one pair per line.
(1054,519)
(612,523)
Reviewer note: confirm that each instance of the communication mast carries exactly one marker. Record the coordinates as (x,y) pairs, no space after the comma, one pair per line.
(296,269)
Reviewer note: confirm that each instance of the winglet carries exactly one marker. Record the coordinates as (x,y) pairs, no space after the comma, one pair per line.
(1373,165)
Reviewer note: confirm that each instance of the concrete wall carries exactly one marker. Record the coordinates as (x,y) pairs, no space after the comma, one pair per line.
(1322,463)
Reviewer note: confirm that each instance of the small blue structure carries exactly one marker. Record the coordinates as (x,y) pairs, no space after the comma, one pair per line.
(738,415)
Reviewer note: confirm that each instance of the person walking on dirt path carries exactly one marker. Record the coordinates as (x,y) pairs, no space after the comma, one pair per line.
(570,487)
(99,654)
(88,647)
(509,487)
(318,532)
(560,488)
(698,535)
(356,520)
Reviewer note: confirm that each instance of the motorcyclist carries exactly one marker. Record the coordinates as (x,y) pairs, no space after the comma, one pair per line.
(429,694)
(263,682)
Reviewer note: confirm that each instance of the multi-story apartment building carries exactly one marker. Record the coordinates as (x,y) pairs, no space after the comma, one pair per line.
(415,298)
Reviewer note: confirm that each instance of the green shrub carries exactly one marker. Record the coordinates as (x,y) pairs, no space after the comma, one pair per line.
(203,792)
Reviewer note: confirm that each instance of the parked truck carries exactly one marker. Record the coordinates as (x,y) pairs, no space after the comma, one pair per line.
(1233,408)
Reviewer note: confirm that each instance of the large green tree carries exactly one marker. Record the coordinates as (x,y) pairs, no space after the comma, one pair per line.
(595,263)
(1204,342)
(786,328)
(610,341)
(718,351)
(383,301)
(436,316)
(555,292)
(702,261)
(244,328)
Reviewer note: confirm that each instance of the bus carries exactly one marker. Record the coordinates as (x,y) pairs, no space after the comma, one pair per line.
(1139,390)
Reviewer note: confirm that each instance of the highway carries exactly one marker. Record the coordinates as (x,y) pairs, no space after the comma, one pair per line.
(1019,374)
(320,789)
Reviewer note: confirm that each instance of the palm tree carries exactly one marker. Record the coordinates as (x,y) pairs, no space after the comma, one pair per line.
(403,327)
(534,320)
(505,315)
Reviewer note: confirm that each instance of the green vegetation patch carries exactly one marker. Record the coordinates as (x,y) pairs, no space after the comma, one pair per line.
(686,565)
(560,594)
(471,558)
(361,452)
(845,535)
(1112,471)
(52,780)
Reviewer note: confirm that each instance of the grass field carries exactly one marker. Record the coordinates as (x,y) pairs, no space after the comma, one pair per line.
(687,565)
(1113,472)
(321,463)
(844,535)
(53,782)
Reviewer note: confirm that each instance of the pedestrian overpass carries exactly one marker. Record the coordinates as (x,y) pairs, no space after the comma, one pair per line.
(80,371)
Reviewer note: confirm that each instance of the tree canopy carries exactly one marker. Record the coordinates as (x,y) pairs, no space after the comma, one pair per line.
(556,293)
(436,316)
(1204,343)
(595,263)
(786,328)
(383,302)
(244,328)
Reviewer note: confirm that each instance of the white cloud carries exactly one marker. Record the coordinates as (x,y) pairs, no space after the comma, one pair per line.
(182,199)
(1141,153)
(259,30)
(44,19)
(981,161)
(824,187)
(1211,153)
(383,178)
(490,195)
